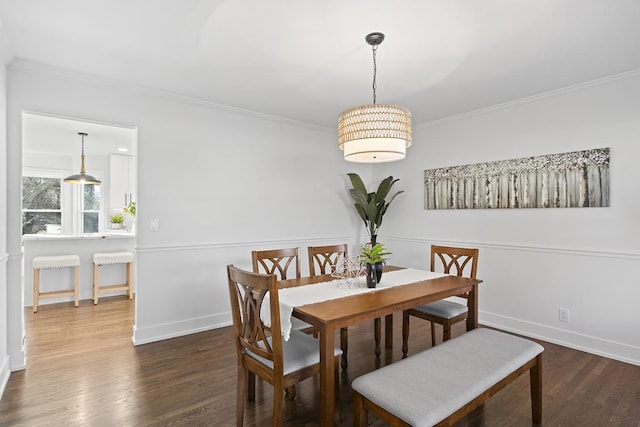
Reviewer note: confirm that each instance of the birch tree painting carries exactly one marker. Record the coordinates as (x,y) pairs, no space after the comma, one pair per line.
(566,180)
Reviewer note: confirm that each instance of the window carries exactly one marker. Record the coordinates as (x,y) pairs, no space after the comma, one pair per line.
(52,207)
(90,208)
(41,205)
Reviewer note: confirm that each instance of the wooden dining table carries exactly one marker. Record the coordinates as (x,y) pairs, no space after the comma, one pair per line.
(329,316)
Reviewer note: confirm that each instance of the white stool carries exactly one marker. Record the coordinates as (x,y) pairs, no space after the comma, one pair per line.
(59,261)
(113,258)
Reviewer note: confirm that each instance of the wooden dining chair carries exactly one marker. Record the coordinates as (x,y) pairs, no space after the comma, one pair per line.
(262,351)
(463,262)
(285,264)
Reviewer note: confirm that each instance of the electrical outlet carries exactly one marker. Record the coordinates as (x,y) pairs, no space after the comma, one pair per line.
(154,224)
(563,314)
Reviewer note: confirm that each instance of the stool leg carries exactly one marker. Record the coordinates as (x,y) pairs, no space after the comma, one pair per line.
(130,279)
(95,284)
(76,300)
(36,288)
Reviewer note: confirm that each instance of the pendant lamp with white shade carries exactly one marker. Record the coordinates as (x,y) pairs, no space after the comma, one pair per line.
(374,133)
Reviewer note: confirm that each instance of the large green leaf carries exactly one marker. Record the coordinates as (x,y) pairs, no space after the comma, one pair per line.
(356,183)
(383,189)
(359,197)
(371,206)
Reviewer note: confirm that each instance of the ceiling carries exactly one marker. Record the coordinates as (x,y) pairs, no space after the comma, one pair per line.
(307,60)
(56,135)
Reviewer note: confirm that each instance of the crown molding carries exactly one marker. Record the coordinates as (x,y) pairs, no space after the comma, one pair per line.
(37,67)
(509,104)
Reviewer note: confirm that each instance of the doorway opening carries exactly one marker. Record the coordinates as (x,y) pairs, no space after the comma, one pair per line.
(61,218)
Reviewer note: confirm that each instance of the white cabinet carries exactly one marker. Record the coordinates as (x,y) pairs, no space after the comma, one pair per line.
(122,181)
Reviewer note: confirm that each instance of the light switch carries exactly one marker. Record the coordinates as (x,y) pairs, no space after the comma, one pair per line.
(154,224)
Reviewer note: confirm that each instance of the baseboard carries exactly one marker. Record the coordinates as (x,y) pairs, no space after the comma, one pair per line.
(177,329)
(590,344)
(5,373)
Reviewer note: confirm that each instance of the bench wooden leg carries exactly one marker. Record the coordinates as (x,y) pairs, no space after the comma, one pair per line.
(535,376)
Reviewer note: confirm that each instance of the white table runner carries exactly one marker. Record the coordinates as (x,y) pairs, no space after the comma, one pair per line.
(325,291)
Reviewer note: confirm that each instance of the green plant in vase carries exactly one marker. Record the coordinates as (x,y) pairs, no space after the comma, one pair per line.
(371,207)
(374,256)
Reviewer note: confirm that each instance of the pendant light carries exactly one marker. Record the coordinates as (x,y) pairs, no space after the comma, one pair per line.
(374,133)
(82,177)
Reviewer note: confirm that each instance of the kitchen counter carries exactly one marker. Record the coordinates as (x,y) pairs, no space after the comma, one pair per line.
(93,236)
(82,245)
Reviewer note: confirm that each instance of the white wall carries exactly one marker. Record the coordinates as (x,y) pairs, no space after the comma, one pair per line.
(220,182)
(534,261)
(4,256)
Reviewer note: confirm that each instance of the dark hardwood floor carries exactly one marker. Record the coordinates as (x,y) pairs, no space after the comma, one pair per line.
(83,370)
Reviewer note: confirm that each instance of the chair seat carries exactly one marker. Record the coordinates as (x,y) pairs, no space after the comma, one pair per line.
(113,258)
(443,308)
(56,261)
(299,352)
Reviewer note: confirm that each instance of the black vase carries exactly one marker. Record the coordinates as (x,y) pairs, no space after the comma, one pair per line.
(372,277)
(377,267)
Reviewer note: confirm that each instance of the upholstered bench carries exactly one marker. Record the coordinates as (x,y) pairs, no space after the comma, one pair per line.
(440,385)
(55,261)
(113,258)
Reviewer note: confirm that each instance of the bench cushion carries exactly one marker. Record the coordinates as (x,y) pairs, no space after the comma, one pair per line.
(429,386)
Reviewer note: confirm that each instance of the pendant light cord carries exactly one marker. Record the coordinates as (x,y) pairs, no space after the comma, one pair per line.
(374,48)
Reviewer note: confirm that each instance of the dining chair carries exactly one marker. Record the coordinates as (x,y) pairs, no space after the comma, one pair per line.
(463,262)
(325,260)
(262,351)
(285,264)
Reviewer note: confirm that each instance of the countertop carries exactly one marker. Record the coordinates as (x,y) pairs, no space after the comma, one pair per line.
(93,236)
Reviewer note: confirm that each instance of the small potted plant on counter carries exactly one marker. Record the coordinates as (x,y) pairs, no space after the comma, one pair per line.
(116,221)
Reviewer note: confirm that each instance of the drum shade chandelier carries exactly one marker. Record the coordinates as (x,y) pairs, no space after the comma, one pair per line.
(374,133)
(82,177)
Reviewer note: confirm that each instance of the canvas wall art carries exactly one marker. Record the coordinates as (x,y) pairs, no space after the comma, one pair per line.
(565,180)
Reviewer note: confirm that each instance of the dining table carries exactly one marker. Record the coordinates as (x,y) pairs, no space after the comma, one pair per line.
(331,314)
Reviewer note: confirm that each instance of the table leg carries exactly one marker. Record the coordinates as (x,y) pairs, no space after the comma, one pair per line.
(327,376)
(472,306)
(388,331)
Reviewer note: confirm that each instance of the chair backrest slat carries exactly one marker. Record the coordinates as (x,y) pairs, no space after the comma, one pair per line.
(463,261)
(325,259)
(284,263)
